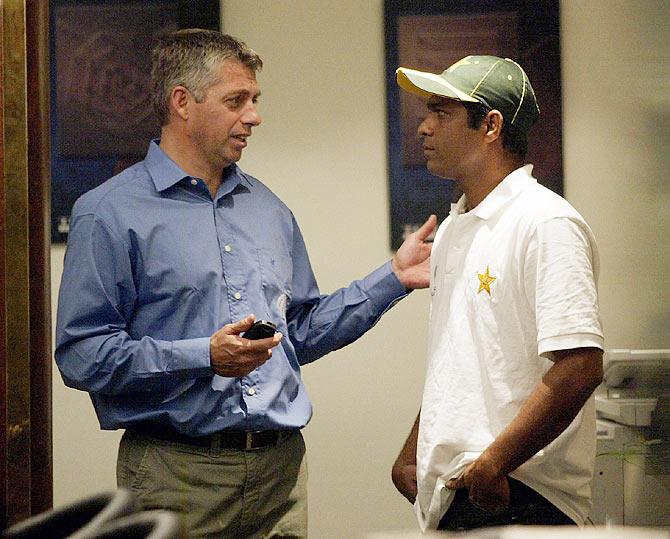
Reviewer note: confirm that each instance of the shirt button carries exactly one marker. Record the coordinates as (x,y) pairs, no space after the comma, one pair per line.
(251,391)
(237,295)
(194,182)
(227,248)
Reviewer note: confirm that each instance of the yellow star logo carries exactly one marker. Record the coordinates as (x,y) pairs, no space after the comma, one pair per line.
(461,62)
(485,281)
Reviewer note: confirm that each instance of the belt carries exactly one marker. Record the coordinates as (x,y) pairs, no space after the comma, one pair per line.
(225,439)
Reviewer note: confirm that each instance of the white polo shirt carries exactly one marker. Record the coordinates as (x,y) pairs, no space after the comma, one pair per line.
(512,280)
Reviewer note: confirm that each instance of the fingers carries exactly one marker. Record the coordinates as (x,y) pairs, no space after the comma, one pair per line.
(254,345)
(427,228)
(240,326)
(456,483)
(235,360)
(493,497)
(235,356)
(256,350)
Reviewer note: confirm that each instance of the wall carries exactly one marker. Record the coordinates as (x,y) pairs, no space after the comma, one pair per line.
(84,457)
(616,125)
(322,149)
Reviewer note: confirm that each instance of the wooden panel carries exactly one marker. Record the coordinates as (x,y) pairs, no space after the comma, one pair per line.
(39,185)
(3,347)
(16,261)
(25,324)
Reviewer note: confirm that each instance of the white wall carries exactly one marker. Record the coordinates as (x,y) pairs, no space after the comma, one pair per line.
(322,148)
(616,125)
(84,457)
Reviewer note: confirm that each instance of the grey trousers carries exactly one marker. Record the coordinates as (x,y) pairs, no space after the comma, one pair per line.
(220,492)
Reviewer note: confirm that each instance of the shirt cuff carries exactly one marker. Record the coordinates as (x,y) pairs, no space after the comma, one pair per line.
(569,342)
(190,355)
(383,287)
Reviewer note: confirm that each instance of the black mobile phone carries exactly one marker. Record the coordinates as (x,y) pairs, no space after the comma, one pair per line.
(262,329)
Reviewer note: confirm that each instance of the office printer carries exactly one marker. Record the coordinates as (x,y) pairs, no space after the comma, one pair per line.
(631,485)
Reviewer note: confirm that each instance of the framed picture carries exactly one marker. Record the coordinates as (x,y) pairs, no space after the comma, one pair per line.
(431,35)
(101,114)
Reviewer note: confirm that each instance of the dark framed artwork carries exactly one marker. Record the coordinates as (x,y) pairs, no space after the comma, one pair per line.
(431,35)
(101,114)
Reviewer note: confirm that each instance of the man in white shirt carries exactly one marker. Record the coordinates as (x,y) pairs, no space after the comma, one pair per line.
(506,431)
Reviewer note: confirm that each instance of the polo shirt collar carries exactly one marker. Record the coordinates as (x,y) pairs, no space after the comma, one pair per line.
(506,190)
(165,172)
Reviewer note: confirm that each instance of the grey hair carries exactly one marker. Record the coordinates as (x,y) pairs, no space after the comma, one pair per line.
(188,58)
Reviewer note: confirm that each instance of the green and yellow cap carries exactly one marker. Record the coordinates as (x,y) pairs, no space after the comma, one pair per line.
(497,83)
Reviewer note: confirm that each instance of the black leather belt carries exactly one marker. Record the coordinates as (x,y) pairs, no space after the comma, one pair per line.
(226,439)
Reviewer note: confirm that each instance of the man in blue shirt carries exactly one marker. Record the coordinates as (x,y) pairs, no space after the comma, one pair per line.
(168,264)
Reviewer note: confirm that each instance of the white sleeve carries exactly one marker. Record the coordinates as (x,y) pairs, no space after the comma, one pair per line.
(561,269)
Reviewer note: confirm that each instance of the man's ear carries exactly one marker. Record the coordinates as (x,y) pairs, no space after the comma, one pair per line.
(180,98)
(493,124)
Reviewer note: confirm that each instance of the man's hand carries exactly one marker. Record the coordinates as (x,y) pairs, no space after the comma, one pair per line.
(403,473)
(551,407)
(486,488)
(411,263)
(235,356)
(404,479)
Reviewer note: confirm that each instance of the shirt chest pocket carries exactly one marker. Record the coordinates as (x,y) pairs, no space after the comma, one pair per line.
(276,271)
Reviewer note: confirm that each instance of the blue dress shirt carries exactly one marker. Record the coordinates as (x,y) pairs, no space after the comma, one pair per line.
(154,267)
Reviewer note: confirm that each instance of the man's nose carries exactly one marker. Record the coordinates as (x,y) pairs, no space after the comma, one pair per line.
(424,130)
(251,116)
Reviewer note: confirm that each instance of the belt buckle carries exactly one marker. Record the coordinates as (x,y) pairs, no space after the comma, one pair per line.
(250,439)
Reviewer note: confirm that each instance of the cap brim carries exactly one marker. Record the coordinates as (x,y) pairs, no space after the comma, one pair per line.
(427,84)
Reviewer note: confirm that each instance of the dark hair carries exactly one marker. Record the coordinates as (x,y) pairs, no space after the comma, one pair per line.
(513,140)
(188,58)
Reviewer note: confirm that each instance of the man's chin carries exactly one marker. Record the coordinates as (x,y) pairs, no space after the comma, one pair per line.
(435,171)
(232,157)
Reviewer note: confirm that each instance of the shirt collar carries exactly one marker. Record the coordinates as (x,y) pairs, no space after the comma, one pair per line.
(165,172)
(506,190)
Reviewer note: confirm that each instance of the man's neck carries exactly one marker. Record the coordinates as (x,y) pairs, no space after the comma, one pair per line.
(190,162)
(478,187)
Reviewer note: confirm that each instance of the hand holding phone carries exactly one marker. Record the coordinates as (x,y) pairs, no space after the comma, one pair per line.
(261,329)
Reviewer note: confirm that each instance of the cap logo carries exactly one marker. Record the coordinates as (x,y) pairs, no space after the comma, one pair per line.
(461,62)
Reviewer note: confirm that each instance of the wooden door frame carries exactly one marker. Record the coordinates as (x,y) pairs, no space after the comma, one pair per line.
(25,317)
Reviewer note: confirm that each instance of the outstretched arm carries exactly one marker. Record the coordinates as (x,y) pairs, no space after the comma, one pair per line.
(318,324)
